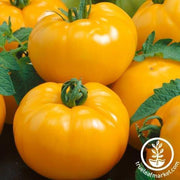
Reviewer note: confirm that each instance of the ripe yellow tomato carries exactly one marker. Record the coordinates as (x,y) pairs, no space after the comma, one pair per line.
(170,114)
(163,18)
(2,112)
(82,142)
(138,83)
(98,49)
(11,107)
(26,16)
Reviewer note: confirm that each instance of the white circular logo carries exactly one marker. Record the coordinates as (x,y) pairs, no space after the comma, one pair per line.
(157,161)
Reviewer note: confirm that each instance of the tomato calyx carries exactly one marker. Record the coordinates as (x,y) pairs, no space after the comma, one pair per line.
(19,3)
(153,130)
(73,93)
(74,14)
(158,1)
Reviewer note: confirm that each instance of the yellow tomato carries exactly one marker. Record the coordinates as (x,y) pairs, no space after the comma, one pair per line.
(170,114)
(2,112)
(11,107)
(98,49)
(27,16)
(163,18)
(138,83)
(82,142)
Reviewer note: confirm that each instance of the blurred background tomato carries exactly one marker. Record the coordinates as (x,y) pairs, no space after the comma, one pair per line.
(130,6)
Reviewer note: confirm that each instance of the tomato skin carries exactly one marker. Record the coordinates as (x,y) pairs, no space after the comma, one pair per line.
(29,15)
(88,48)
(11,107)
(164,19)
(170,114)
(58,142)
(138,82)
(2,112)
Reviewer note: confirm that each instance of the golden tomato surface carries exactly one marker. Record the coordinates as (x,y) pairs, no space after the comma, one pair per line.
(82,142)
(97,49)
(139,81)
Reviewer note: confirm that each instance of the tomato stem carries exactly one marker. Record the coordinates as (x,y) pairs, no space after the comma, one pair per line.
(158,1)
(73,93)
(82,12)
(154,131)
(19,3)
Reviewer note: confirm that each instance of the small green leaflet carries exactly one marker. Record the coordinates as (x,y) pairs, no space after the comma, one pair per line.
(22,34)
(2,40)
(162,48)
(160,97)
(7,60)
(24,79)
(17,75)
(6,28)
(139,175)
(7,87)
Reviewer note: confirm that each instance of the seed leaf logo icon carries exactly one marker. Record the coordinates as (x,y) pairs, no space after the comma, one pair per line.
(157,155)
(159,146)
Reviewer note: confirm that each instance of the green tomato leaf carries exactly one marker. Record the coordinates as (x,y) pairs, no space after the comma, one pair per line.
(8,61)
(160,97)
(22,34)
(24,79)
(162,48)
(6,85)
(2,40)
(139,175)
(5,28)
(149,42)
(17,75)
(139,58)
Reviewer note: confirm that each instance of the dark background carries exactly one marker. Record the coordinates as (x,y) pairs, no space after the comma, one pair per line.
(13,168)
